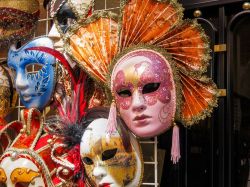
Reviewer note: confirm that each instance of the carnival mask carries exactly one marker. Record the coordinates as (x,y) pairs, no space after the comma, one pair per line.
(34,73)
(106,162)
(26,172)
(18,20)
(144,90)
(27,162)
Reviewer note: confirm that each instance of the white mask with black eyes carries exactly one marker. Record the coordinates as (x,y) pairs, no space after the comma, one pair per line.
(106,162)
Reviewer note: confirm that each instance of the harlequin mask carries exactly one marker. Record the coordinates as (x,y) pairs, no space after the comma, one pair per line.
(34,73)
(105,160)
(144,89)
(28,161)
(18,19)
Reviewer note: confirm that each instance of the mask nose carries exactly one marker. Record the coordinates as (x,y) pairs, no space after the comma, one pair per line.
(138,102)
(21,82)
(99,172)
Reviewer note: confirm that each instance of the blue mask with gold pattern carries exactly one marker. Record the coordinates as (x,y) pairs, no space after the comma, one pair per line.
(34,73)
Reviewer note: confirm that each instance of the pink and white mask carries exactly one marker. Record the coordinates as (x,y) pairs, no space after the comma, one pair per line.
(143,85)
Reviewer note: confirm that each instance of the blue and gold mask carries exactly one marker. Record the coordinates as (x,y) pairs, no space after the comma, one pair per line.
(34,73)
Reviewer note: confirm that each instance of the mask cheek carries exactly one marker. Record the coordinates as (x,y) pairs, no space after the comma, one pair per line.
(163,95)
(124,169)
(123,102)
(89,171)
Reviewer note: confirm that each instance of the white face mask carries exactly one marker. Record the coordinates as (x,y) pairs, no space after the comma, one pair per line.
(145,94)
(19,171)
(106,162)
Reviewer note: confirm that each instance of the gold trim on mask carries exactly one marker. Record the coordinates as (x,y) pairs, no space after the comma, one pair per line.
(3,177)
(24,175)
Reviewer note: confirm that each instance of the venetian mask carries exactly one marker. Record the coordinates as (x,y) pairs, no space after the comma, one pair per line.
(143,85)
(106,162)
(18,20)
(63,18)
(27,162)
(34,73)
(26,172)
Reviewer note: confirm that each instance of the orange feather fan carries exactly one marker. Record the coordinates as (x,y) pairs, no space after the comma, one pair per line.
(95,42)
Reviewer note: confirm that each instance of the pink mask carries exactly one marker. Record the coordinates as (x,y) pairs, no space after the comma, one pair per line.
(144,89)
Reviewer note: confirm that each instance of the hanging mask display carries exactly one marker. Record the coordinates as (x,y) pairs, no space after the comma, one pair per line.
(177,51)
(105,159)
(35,73)
(18,20)
(151,60)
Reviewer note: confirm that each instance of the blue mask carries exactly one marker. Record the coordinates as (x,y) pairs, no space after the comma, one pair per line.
(34,73)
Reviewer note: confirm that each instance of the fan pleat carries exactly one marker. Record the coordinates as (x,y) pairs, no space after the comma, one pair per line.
(144,21)
(94,46)
(188,45)
(199,98)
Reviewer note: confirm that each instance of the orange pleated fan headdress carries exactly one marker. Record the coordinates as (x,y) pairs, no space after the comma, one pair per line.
(97,44)
(147,31)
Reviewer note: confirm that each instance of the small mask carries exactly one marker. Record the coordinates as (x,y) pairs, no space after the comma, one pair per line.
(18,20)
(28,160)
(144,89)
(105,160)
(34,73)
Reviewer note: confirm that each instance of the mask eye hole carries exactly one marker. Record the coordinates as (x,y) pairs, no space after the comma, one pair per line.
(108,154)
(87,160)
(150,87)
(124,93)
(33,68)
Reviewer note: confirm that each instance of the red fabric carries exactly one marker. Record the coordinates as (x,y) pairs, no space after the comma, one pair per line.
(26,140)
(75,158)
(2,123)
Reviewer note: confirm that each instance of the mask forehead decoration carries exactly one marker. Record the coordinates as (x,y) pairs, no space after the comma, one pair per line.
(35,73)
(19,19)
(157,26)
(105,159)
